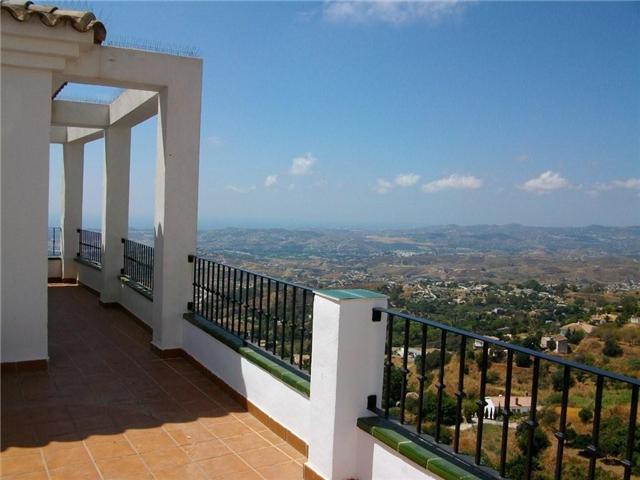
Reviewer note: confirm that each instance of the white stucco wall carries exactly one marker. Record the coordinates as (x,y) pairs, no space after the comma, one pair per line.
(376,461)
(89,276)
(137,304)
(54,268)
(279,401)
(24,173)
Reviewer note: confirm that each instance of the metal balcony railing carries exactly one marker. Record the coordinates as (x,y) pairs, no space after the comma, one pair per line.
(90,246)
(273,315)
(413,336)
(53,241)
(138,263)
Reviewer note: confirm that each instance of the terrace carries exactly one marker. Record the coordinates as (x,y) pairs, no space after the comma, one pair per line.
(151,361)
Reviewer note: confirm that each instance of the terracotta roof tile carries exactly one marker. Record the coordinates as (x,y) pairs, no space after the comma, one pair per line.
(53,16)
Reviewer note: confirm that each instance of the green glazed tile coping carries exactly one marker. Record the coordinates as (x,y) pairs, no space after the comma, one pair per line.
(446,470)
(212,329)
(97,266)
(396,439)
(416,453)
(353,294)
(286,376)
(145,292)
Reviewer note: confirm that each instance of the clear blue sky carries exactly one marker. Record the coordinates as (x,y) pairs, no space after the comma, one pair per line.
(322,114)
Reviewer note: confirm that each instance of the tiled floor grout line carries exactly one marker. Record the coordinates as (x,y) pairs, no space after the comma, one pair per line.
(93,461)
(44,461)
(139,455)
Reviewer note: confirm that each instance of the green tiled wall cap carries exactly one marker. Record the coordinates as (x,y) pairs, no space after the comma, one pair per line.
(395,439)
(352,294)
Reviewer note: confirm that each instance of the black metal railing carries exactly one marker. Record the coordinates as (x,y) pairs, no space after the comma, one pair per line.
(53,241)
(418,351)
(272,315)
(138,263)
(90,246)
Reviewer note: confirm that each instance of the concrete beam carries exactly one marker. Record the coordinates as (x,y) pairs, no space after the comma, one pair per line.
(83,135)
(79,114)
(133,107)
(136,69)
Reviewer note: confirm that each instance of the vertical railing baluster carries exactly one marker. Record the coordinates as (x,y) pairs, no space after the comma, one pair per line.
(631,433)
(275,318)
(268,315)
(532,422)
(405,369)
(595,432)
(216,316)
(506,414)
(209,291)
(441,385)
(481,401)
(421,377)
(193,283)
(246,306)
(310,334)
(239,301)
(284,319)
(223,294)
(253,307)
(460,392)
(560,434)
(388,364)
(234,301)
(293,323)
(303,326)
(260,312)
(228,298)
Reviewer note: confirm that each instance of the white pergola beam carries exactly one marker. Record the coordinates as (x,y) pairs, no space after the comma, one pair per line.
(133,107)
(135,69)
(79,114)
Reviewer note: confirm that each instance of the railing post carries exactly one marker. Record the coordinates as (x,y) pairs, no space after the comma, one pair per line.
(348,351)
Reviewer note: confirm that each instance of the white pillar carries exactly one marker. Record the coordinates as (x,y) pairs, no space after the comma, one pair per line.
(176,208)
(348,354)
(115,213)
(24,199)
(73,161)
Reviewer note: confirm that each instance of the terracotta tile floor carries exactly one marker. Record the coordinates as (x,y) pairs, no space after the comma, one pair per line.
(108,408)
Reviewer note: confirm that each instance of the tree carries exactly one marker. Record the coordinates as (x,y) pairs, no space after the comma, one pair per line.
(395,386)
(557,380)
(585,415)
(469,409)
(540,440)
(523,360)
(611,347)
(432,360)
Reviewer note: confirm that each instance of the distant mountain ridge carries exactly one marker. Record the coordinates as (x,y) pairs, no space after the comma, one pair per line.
(436,240)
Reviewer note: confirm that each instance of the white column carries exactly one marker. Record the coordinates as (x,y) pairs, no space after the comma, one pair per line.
(348,354)
(73,161)
(176,208)
(24,199)
(115,214)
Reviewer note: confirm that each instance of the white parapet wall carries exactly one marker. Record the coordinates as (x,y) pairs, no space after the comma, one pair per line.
(136,303)
(376,461)
(54,268)
(282,403)
(90,276)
